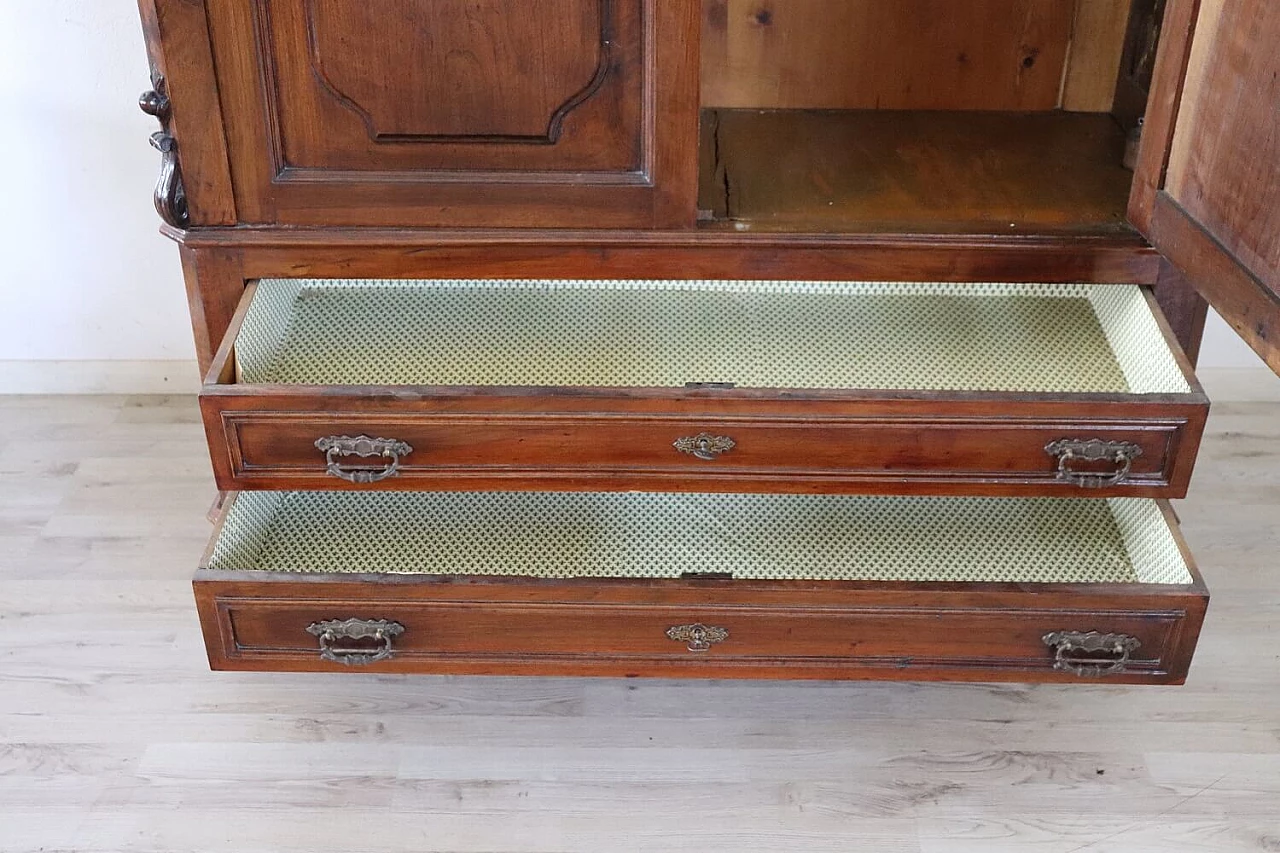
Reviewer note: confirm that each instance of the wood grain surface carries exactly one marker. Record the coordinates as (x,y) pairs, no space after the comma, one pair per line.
(1218,215)
(877,171)
(1097,45)
(115,737)
(867,54)
(580,113)
(1225,160)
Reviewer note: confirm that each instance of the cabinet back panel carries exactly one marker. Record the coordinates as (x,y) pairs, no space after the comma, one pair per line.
(913,54)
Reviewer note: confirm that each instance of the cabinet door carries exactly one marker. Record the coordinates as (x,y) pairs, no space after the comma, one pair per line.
(504,113)
(1207,192)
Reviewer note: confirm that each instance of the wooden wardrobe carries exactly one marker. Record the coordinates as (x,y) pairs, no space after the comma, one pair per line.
(712,338)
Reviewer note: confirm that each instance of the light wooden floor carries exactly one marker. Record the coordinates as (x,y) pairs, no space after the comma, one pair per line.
(114,737)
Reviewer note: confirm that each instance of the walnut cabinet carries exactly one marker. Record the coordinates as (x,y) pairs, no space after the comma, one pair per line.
(712,338)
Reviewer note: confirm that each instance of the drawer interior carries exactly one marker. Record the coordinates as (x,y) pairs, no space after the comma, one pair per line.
(745,537)
(1022,338)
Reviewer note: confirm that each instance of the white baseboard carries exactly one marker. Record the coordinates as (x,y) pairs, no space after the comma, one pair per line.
(99,377)
(1238,384)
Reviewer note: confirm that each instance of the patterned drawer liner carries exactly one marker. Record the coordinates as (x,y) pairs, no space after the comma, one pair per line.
(659,535)
(1065,338)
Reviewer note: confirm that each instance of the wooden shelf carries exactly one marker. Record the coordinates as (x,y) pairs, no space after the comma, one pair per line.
(879,171)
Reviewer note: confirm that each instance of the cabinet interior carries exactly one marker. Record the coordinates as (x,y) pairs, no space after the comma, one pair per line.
(922,116)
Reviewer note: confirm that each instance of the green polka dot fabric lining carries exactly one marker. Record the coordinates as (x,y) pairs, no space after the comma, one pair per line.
(1063,338)
(657,535)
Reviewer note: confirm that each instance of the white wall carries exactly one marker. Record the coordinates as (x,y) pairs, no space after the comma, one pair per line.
(1224,348)
(92,296)
(85,275)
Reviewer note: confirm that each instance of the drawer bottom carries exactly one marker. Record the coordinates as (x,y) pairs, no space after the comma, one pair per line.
(780,587)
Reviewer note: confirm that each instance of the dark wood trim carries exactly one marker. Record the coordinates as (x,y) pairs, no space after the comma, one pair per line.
(1184,308)
(728,401)
(222,370)
(707,236)
(1163,104)
(215,286)
(177,37)
(1188,636)
(358,253)
(214,513)
(199,324)
(1251,308)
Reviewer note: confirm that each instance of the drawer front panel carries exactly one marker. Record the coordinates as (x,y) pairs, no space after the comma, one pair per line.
(983,455)
(918,637)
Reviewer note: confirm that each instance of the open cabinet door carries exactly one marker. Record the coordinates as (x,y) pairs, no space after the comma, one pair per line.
(1207,189)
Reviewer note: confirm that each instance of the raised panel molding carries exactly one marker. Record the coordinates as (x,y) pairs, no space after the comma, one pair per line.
(554,113)
(463,57)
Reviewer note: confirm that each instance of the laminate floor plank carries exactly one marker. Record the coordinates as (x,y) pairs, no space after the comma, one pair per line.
(115,737)
(1036,833)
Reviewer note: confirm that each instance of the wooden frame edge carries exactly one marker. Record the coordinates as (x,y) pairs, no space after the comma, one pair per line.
(1163,106)
(177,35)
(1252,309)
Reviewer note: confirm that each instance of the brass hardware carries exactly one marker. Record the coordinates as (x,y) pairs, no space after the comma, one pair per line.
(704,445)
(364,447)
(381,630)
(697,637)
(1090,654)
(170,195)
(1122,453)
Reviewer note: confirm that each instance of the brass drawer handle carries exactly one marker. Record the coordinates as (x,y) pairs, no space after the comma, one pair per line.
(1090,654)
(704,445)
(1121,453)
(363,446)
(697,637)
(381,631)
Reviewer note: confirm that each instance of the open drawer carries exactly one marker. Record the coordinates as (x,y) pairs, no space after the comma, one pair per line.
(672,584)
(835,387)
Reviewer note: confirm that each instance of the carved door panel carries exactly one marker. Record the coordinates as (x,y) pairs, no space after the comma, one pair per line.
(1207,192)
(525,113)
